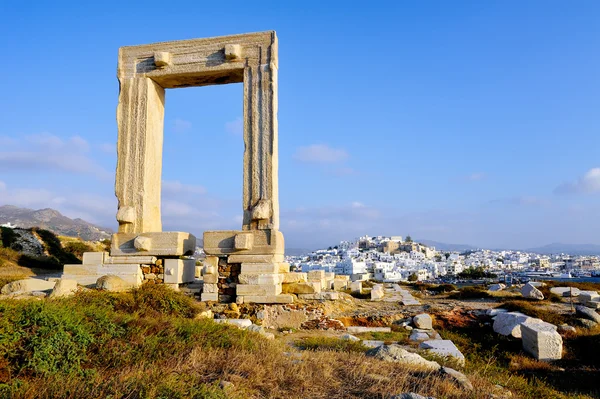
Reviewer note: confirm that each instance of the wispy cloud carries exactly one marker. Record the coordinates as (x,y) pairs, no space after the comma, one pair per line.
(235,126)
(320,153)
(176,187)
(523,200)
(45,151)
(181,125)
(108,148)
(588,183)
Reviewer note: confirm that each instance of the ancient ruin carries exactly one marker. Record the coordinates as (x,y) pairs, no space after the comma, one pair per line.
(247,264)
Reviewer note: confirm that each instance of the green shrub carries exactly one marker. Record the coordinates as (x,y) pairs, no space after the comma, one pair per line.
(8,237)
(39,262)
(77,248)
(54,247)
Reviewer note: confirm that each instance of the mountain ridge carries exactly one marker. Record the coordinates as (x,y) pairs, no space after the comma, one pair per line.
(53,220)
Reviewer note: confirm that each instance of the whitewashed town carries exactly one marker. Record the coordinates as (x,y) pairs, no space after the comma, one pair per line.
(394,259)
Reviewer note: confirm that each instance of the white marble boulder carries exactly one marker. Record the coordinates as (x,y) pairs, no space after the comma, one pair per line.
(542,341)
(529,291)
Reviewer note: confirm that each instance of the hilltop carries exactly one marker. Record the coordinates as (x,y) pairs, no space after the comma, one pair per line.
(53,220)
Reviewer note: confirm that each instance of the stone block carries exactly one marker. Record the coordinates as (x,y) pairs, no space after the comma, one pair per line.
(211,279)
(210,288)
(282,298)
(178,271)
(198,271)
(265,242)
(157,244)
(94,258)
(284,267)
(260,268)
(587,296)
(542,341)
(565,291)
(356,287)
(340,285)
(209,296)
(211,261)
(162,58)
(243,241)
(28,285)
(113,283)
(329,276)
(209,270)
(316,275)
(342,277)
(89,274)
(377,292)
(299,288)
(123,260)
(64,288)
(233,52)
(260,278)
(258,290)
(236,258)
(317,286)
(444,348)
(294,278)
(320,296)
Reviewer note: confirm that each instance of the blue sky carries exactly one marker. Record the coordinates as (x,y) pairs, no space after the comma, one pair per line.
(464,122)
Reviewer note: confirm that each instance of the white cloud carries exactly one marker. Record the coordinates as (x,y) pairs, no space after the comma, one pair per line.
(45,151)
(320,153)
(588,183)
(523,200)
(235,127)
(181,125)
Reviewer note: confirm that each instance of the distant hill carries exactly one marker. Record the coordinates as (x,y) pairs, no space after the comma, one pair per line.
(572,249)
(440,246)
(54,221)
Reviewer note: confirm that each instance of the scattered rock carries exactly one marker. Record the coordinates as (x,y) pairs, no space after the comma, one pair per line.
(423,321)
(64,288)
(509,323)
(349,337)
(419,335)
(207,314)
(445,348)
(27,286)
(565,291)
(496,287)
(372,343)
(588,313)
(529,291)
(458,377)
(361,329)
(395,353)
(377,292)
(411,395)
(587,323)
(495,312)
(112,283)
(565,328)
(241,323)
(226,385)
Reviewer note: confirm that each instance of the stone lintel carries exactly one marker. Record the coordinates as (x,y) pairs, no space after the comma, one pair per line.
(264,242)
(235,258)
(155,244)
(142,259)
(258,289)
